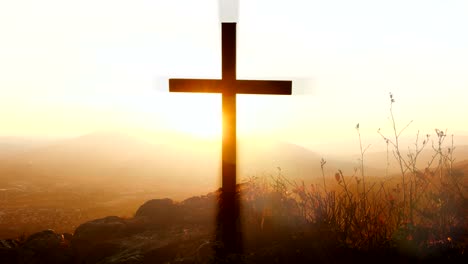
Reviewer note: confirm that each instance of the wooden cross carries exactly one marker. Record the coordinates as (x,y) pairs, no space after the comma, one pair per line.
(229,86)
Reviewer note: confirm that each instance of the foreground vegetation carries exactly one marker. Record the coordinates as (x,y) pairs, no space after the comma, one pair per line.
(420,212)
(417,215)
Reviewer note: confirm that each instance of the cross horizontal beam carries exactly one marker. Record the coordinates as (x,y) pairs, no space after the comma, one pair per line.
(229,229)
(241,86)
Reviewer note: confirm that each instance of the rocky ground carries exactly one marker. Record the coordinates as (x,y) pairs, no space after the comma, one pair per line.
(163,231)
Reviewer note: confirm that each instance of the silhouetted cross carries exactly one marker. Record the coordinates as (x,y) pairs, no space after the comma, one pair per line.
(229,86)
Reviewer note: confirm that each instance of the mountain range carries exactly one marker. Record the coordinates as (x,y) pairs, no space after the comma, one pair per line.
(178,168)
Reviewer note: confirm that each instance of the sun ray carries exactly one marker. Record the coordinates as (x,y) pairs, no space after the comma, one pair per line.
(197,114)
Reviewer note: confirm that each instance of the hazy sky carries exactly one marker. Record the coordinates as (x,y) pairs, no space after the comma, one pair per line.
(72,67)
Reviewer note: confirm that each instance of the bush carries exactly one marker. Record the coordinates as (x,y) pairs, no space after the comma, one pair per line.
(418,213)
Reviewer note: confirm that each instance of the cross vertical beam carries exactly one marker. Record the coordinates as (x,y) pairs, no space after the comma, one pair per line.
(228,41)
(229,213)
(229,229)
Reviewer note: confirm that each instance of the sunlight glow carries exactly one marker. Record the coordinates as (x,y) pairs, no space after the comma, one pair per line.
(69,69)
(196,114)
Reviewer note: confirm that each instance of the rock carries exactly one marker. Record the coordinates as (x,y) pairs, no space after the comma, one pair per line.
(44,247)
(8,251)
(159,212)
(67,238)
(94,240)
(154,207)
(160,231)
(103,229)
(199,210)
(8,243)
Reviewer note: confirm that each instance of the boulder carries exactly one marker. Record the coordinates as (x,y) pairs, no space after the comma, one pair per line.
(8,250)
(160,213)
(96,239)
(199,210)
(160,230)
(103,229)
(44,247)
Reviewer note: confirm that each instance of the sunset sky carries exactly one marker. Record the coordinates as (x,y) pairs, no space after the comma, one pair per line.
(73,67)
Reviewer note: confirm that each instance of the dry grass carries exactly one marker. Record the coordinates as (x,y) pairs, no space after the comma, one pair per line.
(415,212)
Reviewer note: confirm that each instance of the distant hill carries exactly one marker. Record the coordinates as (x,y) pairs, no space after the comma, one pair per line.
(116,160)
(296,162)
(108,173)
(10,146)
(379,159)
(112,160)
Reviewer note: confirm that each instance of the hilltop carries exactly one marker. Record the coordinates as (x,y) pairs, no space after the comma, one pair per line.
(274,230)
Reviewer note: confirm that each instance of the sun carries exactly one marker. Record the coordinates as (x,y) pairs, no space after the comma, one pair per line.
(196,114)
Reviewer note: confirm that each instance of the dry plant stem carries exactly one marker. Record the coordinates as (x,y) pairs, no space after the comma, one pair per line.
(322,163)
(441,137)
(362,152)
(398,154)
(412,162)
(388,161)
(403,165)
(451,160)
(345,186)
